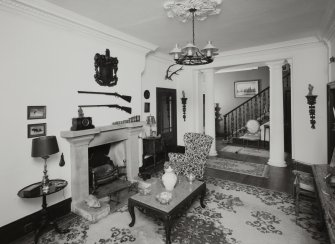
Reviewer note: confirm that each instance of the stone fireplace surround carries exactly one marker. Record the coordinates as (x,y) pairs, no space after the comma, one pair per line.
(80,141)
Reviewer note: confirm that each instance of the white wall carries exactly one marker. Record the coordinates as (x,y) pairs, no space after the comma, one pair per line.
(224,86)
(154,76)
(332,54)
(44,63)
(309,59)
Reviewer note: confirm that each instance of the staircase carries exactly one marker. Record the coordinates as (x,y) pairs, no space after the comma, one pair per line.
(257,107)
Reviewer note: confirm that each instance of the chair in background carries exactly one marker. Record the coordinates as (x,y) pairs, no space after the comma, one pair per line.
(197,147)
(303,186)
(253,132)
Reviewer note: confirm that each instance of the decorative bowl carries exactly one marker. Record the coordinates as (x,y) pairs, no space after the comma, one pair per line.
(164,197)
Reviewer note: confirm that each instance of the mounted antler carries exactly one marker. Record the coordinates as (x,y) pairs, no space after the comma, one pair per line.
(169,76)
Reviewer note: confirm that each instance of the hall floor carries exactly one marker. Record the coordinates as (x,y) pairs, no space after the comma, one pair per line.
(280,179)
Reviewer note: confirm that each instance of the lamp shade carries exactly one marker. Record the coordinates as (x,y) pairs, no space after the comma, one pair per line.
(44,146)
(151,120)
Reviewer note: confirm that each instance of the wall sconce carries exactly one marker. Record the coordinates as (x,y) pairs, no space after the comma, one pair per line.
(311,100)
(183,101)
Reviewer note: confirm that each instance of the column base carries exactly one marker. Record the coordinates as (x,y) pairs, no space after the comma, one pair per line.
(213,153)
(281,164)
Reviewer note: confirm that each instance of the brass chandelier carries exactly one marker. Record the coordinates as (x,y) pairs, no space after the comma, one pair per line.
(190,54)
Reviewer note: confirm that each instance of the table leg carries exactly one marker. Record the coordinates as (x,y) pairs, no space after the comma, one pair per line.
(38,232)
(167,224)
(132,213)
(58,229)
(202,197)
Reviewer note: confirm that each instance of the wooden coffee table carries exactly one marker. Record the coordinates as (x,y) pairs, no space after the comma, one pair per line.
(183,195)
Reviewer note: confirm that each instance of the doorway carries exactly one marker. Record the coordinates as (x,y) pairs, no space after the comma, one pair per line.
(167,116)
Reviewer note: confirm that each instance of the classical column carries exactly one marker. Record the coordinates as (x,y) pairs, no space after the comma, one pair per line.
(197,103)
(209,108)
(276,115)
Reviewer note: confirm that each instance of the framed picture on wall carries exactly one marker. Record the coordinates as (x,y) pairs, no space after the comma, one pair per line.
(146,107)
(36,112)
(247,88)
(36,130)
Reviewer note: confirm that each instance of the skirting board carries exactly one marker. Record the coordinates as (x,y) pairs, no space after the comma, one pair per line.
(23,226)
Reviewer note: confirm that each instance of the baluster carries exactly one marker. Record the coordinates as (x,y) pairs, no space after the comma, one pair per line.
(244,113)
(239,118)
(264,104)
(248,115)
(252,111)
(229,125)
(232,124)
(255,108)
(225,127)
(260,107)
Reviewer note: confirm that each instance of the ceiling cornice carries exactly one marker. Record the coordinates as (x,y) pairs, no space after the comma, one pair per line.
(49,12)
(161,57)
(272,46)
(327,32)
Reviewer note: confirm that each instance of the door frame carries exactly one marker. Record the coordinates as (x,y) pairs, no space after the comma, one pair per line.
(159,91)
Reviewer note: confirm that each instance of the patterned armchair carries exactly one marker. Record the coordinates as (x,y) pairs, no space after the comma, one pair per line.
(194,159)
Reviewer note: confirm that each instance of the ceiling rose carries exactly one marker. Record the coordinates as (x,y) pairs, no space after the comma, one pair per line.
(180,9)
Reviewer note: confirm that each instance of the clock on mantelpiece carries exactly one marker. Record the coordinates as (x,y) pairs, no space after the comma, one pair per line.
(82,122)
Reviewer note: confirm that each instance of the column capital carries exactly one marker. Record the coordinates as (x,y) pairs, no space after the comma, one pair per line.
(208,71)
(276,64)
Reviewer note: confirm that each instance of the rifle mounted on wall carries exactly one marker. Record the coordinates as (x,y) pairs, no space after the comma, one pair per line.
(126,109)
(124,97)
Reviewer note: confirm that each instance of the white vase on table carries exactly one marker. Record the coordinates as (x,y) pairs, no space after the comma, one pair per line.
(169,179)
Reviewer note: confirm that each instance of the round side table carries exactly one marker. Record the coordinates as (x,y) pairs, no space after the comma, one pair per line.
(35,190)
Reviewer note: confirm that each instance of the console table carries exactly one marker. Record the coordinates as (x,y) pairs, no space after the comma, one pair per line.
(35,190)
(326,196)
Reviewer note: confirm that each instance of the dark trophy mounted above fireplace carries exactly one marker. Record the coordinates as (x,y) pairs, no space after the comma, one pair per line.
(105,69)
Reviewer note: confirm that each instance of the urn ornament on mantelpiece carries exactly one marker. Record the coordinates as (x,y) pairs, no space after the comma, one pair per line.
(169,179)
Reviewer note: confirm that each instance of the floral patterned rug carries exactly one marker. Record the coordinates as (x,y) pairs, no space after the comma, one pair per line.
(241,167)
(235,214)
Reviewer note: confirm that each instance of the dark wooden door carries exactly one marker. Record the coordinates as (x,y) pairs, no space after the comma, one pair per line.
(167,116)
(287,108)
(331,118)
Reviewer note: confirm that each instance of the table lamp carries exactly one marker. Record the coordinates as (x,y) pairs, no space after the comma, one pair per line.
(151,121)
(43,147)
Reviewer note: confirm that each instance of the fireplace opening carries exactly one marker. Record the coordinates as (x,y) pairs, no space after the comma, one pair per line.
(106,176)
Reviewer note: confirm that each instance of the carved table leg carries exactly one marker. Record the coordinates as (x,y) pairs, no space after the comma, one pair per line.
(167,224)
(202,197)
(58,229)
(132,213)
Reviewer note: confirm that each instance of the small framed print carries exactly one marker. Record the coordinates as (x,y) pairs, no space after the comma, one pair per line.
(36,130)
(36,112)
